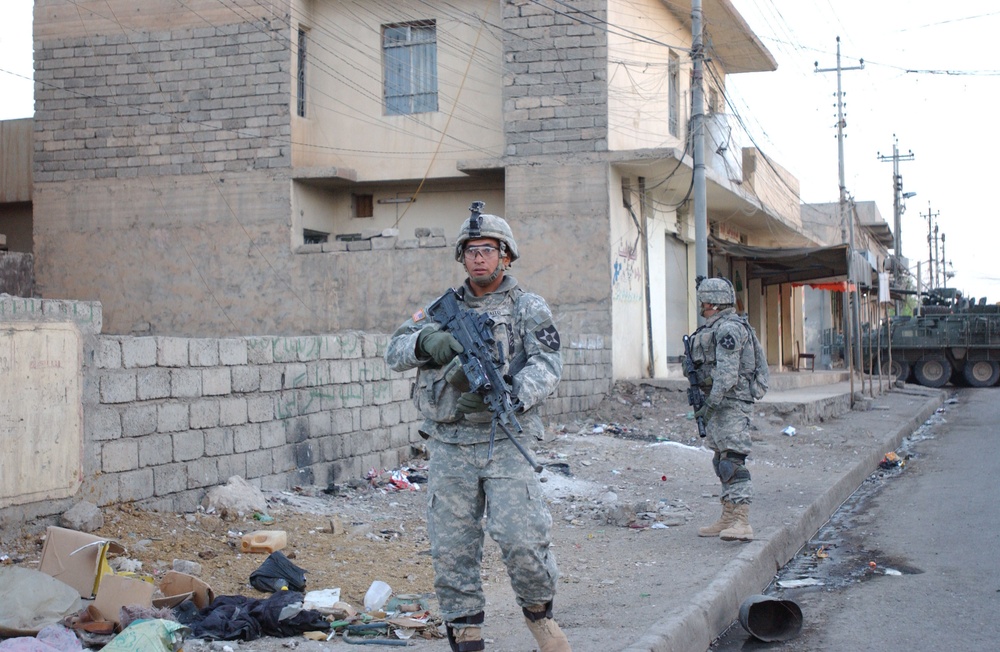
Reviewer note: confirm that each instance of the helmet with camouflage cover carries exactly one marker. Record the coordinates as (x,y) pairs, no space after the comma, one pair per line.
(483,225)
(717,292)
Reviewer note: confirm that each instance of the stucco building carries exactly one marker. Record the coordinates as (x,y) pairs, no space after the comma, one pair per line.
(301,167)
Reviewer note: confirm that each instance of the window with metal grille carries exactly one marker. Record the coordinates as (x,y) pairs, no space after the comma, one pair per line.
(300,79)
(674,89)
(409,57)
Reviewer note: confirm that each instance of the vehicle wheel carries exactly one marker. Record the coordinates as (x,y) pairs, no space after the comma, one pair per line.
(900,369)
(981,373)
(933,371)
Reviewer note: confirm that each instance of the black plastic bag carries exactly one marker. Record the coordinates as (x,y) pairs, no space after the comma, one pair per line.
(277,573)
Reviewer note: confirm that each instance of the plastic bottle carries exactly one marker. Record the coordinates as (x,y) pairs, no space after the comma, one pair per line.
(263,541)
(377,595)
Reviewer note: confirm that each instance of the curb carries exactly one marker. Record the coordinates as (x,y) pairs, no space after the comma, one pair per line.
(693,628)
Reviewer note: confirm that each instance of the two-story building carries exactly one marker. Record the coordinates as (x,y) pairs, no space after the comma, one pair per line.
(302,167)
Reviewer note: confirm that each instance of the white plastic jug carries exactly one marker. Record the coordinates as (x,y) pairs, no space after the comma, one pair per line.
(377,595)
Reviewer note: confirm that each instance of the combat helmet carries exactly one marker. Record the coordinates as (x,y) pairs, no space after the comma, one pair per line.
(717,292)
(484,225)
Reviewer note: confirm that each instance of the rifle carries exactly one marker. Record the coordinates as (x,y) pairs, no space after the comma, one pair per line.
(696,398)
(474,331)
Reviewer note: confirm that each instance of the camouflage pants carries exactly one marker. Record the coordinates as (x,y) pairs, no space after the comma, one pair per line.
(728,431)
(464,488)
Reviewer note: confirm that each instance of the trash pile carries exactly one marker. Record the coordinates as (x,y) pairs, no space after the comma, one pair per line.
(87,593)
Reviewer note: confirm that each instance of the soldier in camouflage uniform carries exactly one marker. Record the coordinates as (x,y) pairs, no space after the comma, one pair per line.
(723,354)
(464,483)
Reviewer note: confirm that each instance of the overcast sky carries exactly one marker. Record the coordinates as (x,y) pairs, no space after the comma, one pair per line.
(931,77)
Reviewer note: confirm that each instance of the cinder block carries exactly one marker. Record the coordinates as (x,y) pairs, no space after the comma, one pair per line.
(203,472)
(102,424)
(230,465)
(152,383)
(233,351)
(219,441)
(155,450)
(185,383)
(188,445)
(204,413)
(383,243)
(119,455)
(172,352)
(138,352)
(203,352)
(232,411)
(359,245)
(118,387)
(272,433)
(259,463)
(370,417)
(260,408)
(169,479)
(216,381)
(245,379)
(138,420)
(108,353)
(259,350)
(136,485)
(271,377)
(172,417)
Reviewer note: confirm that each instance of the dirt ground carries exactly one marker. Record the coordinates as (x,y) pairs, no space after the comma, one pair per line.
(597,480)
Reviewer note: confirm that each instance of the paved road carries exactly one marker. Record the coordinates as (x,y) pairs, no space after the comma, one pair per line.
(937,523)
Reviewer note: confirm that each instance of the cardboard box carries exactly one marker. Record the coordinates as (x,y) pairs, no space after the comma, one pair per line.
(178,587)
(116,592)
(77,558)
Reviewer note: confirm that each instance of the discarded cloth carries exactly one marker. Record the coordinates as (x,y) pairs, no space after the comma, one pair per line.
(237,617)
(52,638)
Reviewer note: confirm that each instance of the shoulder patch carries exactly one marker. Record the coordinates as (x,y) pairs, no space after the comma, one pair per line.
(419,316)
(728,342)
(548,336)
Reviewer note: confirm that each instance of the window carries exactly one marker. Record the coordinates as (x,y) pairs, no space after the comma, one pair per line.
(300,79)
(713,101)
(409,54)
(363,205)
(314,237)
(674,99)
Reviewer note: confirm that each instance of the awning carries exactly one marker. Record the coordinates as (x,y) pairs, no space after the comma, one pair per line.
(798,264)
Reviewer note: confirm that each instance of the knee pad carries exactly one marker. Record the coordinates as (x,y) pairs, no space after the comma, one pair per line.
(535,616)
(732,466)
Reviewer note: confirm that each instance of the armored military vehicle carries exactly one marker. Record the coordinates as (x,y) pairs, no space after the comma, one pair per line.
(952,339)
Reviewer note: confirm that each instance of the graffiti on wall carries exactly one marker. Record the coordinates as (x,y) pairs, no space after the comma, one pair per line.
(626,273)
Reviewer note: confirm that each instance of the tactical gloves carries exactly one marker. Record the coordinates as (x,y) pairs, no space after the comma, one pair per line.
(470,402)
(439,346)
(705,412)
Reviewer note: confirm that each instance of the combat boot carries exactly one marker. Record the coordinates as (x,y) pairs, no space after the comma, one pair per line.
(545,630)
(725,521)
(465,634)
(740,530)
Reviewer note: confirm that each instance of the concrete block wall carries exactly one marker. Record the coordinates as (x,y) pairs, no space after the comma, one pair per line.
(167,418)
(555,96)
(139,103)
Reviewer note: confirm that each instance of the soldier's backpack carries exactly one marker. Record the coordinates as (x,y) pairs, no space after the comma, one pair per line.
(760,377)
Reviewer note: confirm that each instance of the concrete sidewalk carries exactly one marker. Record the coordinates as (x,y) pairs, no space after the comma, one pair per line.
(847,449)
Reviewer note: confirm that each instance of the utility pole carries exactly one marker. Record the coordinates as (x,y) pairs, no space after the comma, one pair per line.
(930,244)
(698,152)
(897,191)
(937,258)
(843,213)
(944,264)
